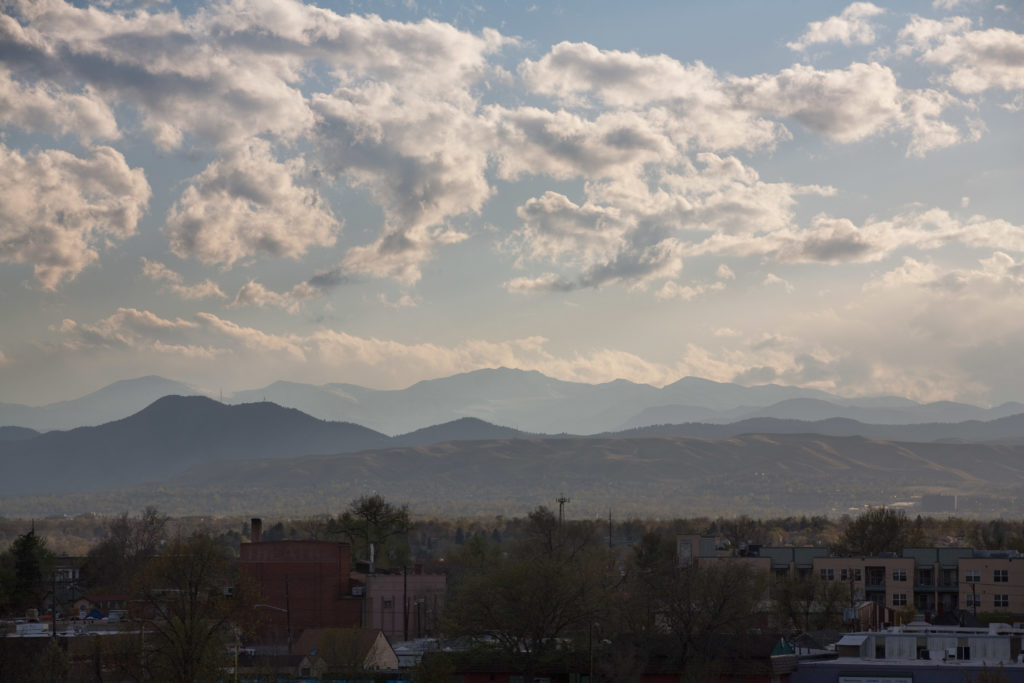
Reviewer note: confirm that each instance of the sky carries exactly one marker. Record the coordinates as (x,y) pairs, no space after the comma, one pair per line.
(231,193)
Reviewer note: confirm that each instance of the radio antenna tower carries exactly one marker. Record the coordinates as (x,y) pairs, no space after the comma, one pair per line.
(562,500)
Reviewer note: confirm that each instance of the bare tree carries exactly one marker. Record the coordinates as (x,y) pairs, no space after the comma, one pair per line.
(190,601)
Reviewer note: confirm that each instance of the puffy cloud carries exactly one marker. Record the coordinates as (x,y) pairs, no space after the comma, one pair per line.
(180,75)
(553,227)
(852,104)
(628,232)
(998,277)
(56,209)
(977,60)
(422,159)
(565,145)
(247,203)
(851,27)
(38,108)
(690,102)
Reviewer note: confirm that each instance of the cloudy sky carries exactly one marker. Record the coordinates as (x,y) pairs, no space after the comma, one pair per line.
(231,193)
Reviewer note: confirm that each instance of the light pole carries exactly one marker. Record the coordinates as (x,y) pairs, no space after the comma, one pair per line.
(288,615)
(590,646)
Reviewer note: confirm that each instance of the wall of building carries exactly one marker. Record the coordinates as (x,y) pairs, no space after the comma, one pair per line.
(424,594)
(304,582)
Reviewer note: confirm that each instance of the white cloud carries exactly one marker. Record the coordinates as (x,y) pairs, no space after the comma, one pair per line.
(57,209)
(724,272)
(253,293)
(772,280)
(629,232)
(205,341)
(853,104)
(839,240)
(38,108)
(564,145)
(158,272)
(851,27)
(977,60)
(950,4)
(673,290)
(246,203)
(690,102)
(182,75)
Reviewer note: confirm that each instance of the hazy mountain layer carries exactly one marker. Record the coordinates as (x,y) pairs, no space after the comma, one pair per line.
(112,402)
(527,401)
(757,475)
(166,438)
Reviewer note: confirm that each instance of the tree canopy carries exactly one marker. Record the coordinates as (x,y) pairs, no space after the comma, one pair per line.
(373,521)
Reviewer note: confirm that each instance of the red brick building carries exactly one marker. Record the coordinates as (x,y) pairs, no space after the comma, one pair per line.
(301,584)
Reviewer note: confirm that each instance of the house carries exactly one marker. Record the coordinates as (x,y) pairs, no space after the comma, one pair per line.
(327,651)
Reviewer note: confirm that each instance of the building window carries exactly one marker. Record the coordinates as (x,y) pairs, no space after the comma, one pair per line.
(387,603)
(899,599)
(963,651)
(1001,575)
(972,576)
(1001,600)
(899,574)
(973,600)
(828,574)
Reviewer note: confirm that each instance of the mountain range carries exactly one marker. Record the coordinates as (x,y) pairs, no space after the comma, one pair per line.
(194,453)
(523,400)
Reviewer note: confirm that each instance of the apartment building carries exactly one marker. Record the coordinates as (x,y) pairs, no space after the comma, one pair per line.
(932,581)
(919,652)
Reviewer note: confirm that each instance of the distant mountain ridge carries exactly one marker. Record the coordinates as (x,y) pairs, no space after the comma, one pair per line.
(112,402)
(167,437)
(523,400)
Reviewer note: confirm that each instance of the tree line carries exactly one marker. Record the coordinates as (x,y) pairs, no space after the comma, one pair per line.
(539,592)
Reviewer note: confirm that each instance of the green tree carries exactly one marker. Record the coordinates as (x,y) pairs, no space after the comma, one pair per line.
(373,521)
(876,531)
(26,570)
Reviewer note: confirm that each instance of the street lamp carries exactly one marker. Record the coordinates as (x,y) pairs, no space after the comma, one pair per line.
(590,646)
(288,615)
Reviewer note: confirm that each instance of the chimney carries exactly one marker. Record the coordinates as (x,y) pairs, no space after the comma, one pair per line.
(256,532)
